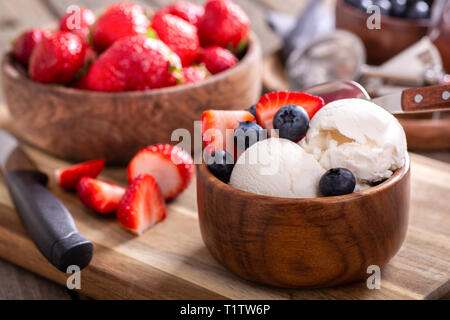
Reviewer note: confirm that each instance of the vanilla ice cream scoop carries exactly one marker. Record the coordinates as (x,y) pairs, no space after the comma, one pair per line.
(277,167)
(358,135)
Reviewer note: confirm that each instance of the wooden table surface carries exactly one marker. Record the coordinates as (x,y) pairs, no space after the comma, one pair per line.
(18,15)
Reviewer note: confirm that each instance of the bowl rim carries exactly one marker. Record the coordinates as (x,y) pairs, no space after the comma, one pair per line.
(396,178)
(8,67)
(392,21)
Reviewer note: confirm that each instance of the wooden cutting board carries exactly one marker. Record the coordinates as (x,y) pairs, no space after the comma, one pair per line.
(171,262)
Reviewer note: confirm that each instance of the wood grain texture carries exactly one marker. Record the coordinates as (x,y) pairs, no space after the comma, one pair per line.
(171,261)
(82,125)
(428,134)
(432,97)
(20,284)
(394,36)
(295,243)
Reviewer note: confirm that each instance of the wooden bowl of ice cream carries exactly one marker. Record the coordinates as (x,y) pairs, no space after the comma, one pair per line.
(294,243)
(308,241)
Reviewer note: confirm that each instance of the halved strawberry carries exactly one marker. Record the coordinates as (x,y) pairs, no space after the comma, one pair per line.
(171,166)
(142,206)
(269,104)
(68,178)
(99,196)
(218,127)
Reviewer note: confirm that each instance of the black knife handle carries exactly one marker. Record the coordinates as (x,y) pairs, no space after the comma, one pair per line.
(47,221)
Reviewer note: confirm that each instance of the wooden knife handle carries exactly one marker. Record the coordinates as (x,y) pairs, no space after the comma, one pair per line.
(426,98)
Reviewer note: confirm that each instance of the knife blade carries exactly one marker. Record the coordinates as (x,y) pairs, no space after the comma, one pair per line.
(391,102)
(46,219)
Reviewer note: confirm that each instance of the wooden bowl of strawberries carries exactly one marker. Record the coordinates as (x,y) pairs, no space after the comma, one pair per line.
(105,87)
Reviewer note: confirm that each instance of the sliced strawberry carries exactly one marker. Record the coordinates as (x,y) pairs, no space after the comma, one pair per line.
(218,127)
(269,104)
(99,196)
(142,206)
(171,166)
(68,178)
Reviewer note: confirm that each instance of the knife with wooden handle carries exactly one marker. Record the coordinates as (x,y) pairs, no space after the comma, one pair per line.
(47,221)
(425,99)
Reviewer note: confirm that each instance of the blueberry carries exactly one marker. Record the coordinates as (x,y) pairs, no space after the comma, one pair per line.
(252,110)
(292,122)
(337,182)
(384,5)
(418,10)
(248,133)
(221,164)
(399,7)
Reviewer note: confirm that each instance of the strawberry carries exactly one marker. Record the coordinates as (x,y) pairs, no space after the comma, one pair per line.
(68,178)
(99,196)
(224,24)
(217,59)
(81,84)
(79,25)
(218,127)
(133,63)
(171,166)
(188,11)
(24,45)
(179,35)
(142,206)
(269,104)
(57,59)
(119,20)
(193,74)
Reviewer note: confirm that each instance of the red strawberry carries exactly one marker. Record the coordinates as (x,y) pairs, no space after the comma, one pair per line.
(80,25)
(81,83)
(193,74)
(269,104)
(171,166)
(224,24)
(175,79)
(215,124)
(142,206)
(179,35)
(188,11)
(119,20)
(99,196)
(133,63)
(57,59)
(24,45)
(68,178)
(217,59)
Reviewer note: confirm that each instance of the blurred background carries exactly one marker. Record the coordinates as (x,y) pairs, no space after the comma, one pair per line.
(301,48)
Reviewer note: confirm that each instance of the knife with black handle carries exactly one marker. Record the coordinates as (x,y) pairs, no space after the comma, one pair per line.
(47,221)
